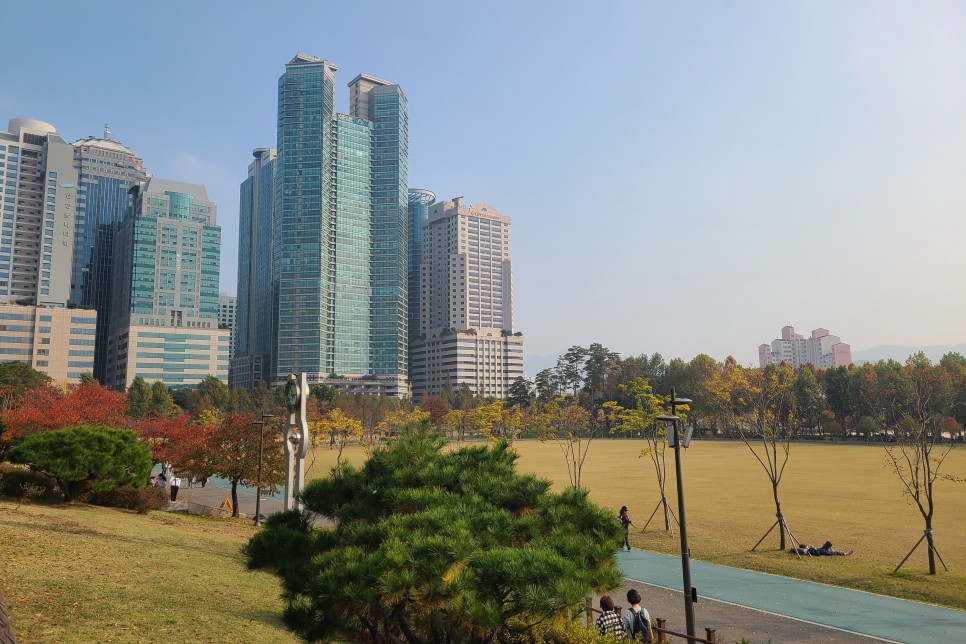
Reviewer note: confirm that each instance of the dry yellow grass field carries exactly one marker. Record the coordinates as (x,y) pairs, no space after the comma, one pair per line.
(79,573)
(841,492)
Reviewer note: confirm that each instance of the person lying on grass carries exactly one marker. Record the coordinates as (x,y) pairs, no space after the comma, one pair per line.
(824,551)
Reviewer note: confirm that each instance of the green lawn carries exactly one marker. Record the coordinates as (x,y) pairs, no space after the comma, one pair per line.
(78,573)
(841,492)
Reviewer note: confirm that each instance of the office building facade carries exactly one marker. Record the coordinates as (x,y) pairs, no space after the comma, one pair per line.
(58,342)
(106,171)
(466,303)
(253,332)
(419,202)
(339,258)
(165,289)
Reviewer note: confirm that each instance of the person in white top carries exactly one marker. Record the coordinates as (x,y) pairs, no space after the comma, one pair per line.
(174,485)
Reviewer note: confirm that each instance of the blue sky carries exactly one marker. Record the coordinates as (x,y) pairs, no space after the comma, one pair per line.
(683,177)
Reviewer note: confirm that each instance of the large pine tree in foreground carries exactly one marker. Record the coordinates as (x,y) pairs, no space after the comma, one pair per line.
(434,545)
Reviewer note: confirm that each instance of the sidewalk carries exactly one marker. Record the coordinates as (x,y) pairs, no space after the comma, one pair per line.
(213,494)
(853,611)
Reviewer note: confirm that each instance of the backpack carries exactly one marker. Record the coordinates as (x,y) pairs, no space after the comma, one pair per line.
(625,519)
(641,626)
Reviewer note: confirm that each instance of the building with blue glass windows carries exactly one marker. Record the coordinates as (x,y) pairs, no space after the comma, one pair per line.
(419,202)
(339,236)
(253,347)
(164,296)
(106,170)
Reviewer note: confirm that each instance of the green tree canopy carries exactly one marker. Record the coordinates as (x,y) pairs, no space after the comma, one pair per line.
(162,403)
(138,398)
(212,393)
(438,546)
(18,377)
(86,458)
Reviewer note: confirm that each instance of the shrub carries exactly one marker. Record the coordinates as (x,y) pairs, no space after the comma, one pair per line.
(285,534)
(13,478)
(86,458)
(142,500)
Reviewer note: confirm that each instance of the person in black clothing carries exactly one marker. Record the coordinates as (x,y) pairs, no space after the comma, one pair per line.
(625,520)
(824,551)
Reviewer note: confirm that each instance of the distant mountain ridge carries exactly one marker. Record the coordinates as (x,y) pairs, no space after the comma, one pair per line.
(901,354)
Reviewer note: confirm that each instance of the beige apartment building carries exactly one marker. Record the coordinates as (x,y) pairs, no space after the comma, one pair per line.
(466,334)
(56,341)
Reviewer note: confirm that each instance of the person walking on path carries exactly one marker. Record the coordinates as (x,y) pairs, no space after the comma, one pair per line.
(175,485)
(636,619)
(625,519)
(609,622)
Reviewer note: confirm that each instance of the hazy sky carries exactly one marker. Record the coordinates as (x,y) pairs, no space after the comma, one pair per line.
(683,177)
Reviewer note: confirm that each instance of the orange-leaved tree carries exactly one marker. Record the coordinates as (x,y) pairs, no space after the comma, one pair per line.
(49,407)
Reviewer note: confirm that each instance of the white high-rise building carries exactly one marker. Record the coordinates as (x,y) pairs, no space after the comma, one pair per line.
(38,221)
(821,350)
(39,185)
(466,303)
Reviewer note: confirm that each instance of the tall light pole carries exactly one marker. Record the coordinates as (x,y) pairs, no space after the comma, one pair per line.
(690,596)
(261,455)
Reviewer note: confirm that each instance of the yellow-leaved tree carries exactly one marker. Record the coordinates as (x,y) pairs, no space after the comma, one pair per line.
(760,404)
(339,429)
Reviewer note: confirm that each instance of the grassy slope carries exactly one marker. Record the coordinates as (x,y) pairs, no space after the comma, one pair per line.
(844,493)
(86,574)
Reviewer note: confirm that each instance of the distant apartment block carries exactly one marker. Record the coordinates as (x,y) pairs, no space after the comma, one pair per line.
(56,341)
(165,289)
(820,350)
(466,305)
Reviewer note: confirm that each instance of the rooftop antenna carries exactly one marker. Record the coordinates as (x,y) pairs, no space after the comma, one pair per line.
(107,132)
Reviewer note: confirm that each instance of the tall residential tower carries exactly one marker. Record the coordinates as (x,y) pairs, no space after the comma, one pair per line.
(339,251)
(37,232)
(466,303)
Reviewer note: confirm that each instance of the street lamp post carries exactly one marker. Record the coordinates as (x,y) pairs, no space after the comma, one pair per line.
(261,454)
(690,596)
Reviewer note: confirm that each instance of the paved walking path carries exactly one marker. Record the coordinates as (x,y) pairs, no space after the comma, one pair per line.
(854,611)
(215,492)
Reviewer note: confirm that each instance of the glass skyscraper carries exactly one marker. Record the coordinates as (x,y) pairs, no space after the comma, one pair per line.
(419,202)
(385,106)
(339,252)
(106,170)
(164,304)
(253,324)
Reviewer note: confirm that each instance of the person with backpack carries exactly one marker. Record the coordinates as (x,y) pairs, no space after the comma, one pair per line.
(625,520)
(637,621)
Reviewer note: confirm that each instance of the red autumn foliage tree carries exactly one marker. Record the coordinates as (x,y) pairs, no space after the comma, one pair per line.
(436,407)
(172,440)
(47,408)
